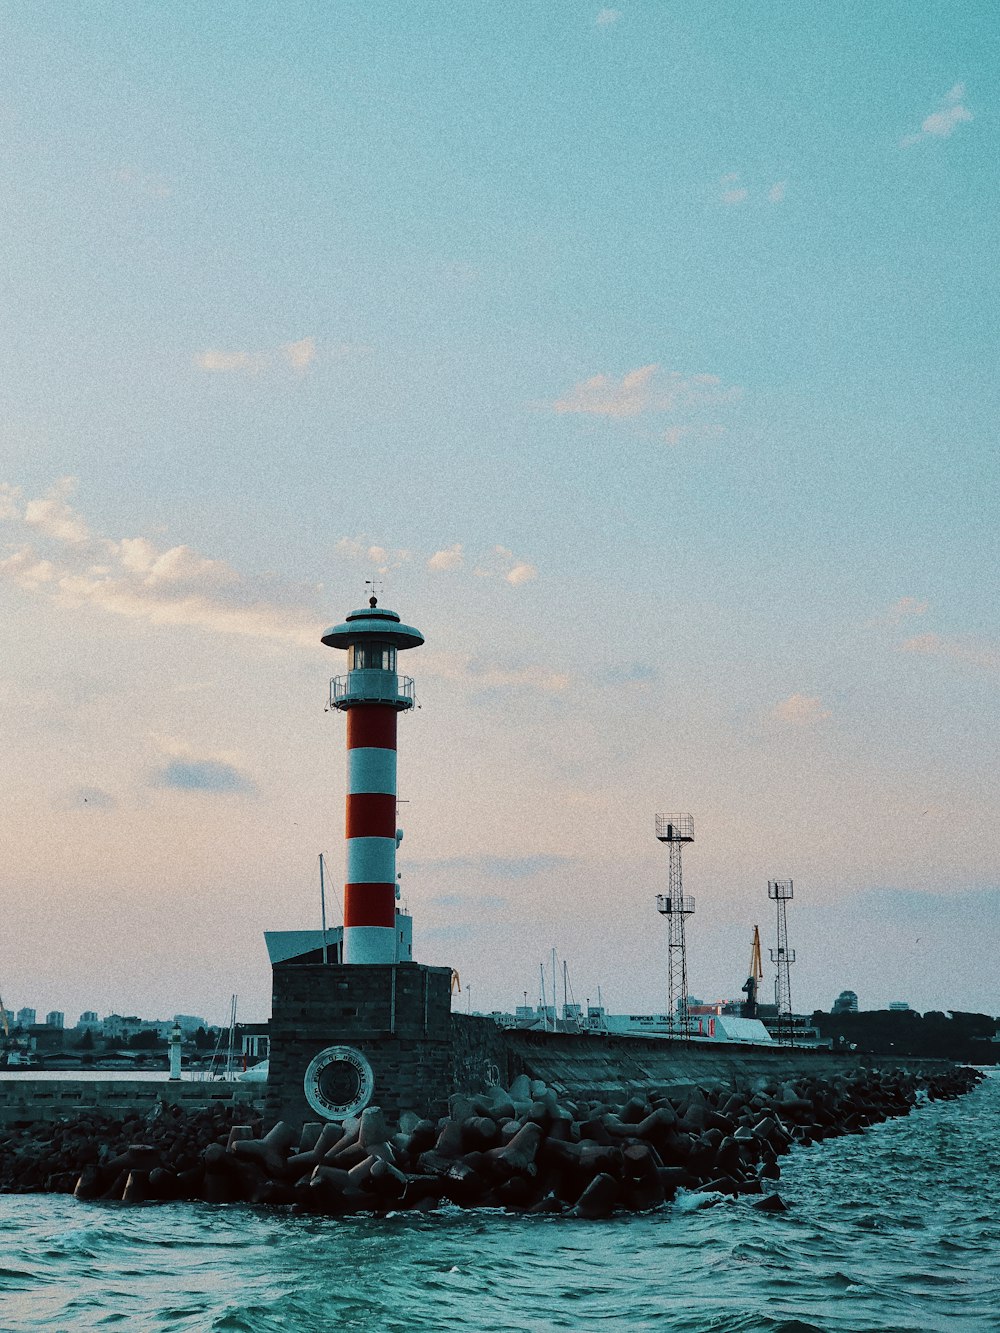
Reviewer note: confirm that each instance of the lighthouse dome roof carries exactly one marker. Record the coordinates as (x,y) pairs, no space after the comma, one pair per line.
(372,622)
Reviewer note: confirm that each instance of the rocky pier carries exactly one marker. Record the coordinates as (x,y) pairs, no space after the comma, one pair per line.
(524,1149)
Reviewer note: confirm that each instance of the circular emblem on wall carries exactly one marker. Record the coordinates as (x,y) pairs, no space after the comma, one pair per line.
(339,1082)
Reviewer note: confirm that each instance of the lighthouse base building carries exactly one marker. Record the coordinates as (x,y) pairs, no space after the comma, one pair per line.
(344,1036)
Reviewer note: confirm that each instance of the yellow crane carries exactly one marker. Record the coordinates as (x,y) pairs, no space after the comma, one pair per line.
(456,983)
(754,979)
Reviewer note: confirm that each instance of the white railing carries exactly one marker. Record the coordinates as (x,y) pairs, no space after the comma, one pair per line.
(371,686)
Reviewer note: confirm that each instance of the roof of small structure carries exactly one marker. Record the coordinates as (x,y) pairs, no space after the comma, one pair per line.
(372,622)
(742,1029)
(284,945)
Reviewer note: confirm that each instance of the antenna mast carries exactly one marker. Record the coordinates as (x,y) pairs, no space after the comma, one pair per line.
(780,891)
(675,831)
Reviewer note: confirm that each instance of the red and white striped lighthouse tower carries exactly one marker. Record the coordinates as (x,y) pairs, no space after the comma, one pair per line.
(372,695)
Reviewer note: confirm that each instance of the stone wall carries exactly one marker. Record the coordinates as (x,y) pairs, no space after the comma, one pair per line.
(594,1064)
(598,1065)
(25,1101)
(481,1054)
(397,1016)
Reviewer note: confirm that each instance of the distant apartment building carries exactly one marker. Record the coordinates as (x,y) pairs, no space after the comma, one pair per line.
(899,1006)
(116,1028)
(845,1003)
(26,1018)
(161,1026)
(89,1019)
(189,1023)
(55,1019)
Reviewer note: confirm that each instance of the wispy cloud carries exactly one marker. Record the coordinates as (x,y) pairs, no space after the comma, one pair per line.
(377,557)
(800,710)
(944,120)
(902,609)
(907,606)
(201,775)
(186,767)
(605,17)
(776,194)
(133,577)
(227,362)
(981,653)
(53,516)
(298,356)
(646,389)
(732,190)
(504,564)
(450,557)
(480,676)
(57,556)
(84,798)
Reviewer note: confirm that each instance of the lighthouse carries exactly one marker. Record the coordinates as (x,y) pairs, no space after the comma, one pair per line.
(372,695)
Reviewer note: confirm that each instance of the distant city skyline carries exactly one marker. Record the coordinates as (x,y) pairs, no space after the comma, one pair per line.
(646,355)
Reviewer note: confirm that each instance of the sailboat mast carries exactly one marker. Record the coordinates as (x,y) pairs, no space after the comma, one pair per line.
(322,907)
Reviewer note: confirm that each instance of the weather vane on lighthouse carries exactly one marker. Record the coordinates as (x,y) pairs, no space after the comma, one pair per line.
(372,695)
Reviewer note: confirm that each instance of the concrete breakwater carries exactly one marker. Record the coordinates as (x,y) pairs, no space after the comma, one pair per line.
(526,1149)
(24,1101)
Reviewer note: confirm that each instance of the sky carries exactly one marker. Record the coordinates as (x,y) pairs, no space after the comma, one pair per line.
(645,355)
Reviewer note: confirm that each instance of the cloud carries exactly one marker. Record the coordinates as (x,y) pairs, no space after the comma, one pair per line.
(201,775)
(776,193)
(521,573)
(907,606)
(979,653)
(605,17)
(944,121)
(135,578)
(449,558)
(497,563)
(226,362)
(53,517)
(9,498)
(298,356)
(646,389)
(503,564)
(800,710)
(85,798)
(479,676)
(732,191)
(379,558)
(178,586)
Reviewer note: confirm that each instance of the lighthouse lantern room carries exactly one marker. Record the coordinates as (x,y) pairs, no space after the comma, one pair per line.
(372,694)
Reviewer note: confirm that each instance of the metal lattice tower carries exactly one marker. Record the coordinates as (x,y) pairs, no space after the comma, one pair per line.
(780,892)
(675,831)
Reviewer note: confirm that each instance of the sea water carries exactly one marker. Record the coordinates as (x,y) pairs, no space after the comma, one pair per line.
(895,1230)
